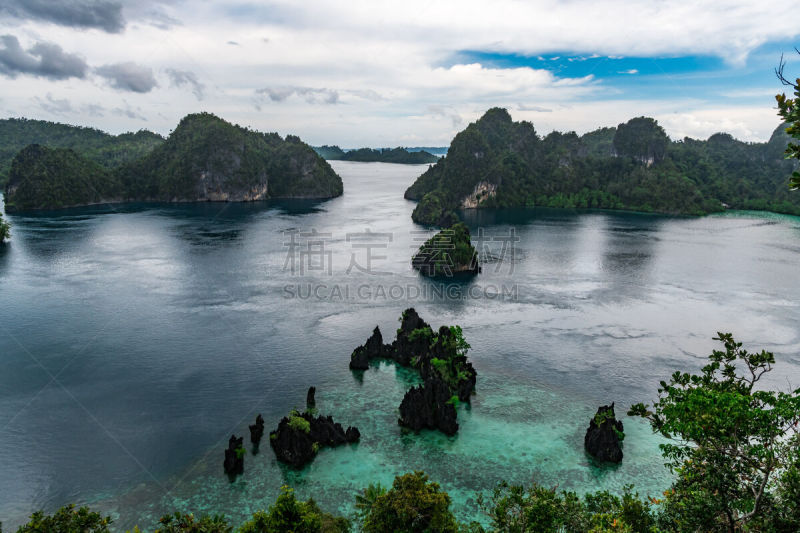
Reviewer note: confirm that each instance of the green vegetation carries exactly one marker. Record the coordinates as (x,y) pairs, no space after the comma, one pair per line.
(730,440)
(51,178)
(205,158)
(108,151)
(298,423)
(67,520)
(289,515)
(381,155)
(447,253)
(187,523)
(412,505)
(789,110)
(5,230)
(496,162)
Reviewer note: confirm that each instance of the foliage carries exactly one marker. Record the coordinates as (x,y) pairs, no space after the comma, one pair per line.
(461,344)
(382,155)
(108,151)
(633,166)
(204,144)
(49,178)
(420,333)
(205,156)
(413,504)
(448,252)
(298,423)
(5,230)
(730,439)
(789,110)
(68,519)
(289,515)
(186,523)
(513,509)
(601,417)
(366,499)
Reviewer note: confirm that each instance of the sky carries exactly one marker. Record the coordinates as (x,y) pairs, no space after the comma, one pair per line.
(387,73)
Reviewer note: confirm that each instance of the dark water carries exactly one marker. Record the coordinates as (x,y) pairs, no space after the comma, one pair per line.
(135,340)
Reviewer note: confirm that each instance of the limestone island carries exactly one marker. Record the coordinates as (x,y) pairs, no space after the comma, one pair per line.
(603,439)
(496,162)
(299,437)
(204,159)
(441,359)
(380,155)
(448,254)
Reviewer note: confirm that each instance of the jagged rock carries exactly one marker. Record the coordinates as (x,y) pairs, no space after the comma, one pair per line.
(299,437)
(429,406)
(604,436)
(372,349)
(234,456)
(311,403)
(257,430)
(405,347)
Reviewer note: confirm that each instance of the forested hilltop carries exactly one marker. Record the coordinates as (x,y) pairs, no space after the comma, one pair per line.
(204,159)
(107,150)
(380,155)
(496,162)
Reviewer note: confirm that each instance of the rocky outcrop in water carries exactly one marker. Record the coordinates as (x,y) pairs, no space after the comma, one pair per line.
(448,254)
(372,349)
(604,436)
(299,436)
(257,430)
(429,406)
(440,357)
(311,402)
(234,456)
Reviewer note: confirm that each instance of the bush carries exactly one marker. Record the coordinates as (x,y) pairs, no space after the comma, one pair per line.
(67,520)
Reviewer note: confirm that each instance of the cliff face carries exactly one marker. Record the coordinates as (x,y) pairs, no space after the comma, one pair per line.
(204,159)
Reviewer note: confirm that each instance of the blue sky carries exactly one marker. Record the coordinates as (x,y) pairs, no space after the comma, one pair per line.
(382,73)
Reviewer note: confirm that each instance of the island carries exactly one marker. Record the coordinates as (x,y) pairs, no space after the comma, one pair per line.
(108,151)
(441,359)
(204,159)
(449,253)
(381,155)
(496,162)
(299,436)
(604,436)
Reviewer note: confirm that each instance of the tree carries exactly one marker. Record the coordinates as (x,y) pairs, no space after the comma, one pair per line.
(730,440)
(412,505)
(789,110)
(5,230)
(290,515)
(186,523)
(67,520)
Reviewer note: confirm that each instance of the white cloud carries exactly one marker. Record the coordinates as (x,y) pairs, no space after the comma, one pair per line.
(387,67)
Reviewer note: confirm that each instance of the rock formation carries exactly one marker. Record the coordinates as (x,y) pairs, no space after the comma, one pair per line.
(299,437)
(234,456)
(429,406)
(372,349)
(440,357)
(257,430)
(311,402)
(604,436)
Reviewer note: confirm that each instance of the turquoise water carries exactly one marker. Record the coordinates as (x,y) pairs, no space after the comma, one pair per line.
(134,340)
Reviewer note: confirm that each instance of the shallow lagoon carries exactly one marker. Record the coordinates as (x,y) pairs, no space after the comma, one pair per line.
(135,339)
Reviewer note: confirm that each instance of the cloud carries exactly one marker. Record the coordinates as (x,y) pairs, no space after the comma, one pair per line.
(54,105)
(629,71)
(128,76)
(312,95)
(179,78)
(447,112)
(128,111)
(538,109)
(104,15)
(46,60)
(233,43)
(93,110)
